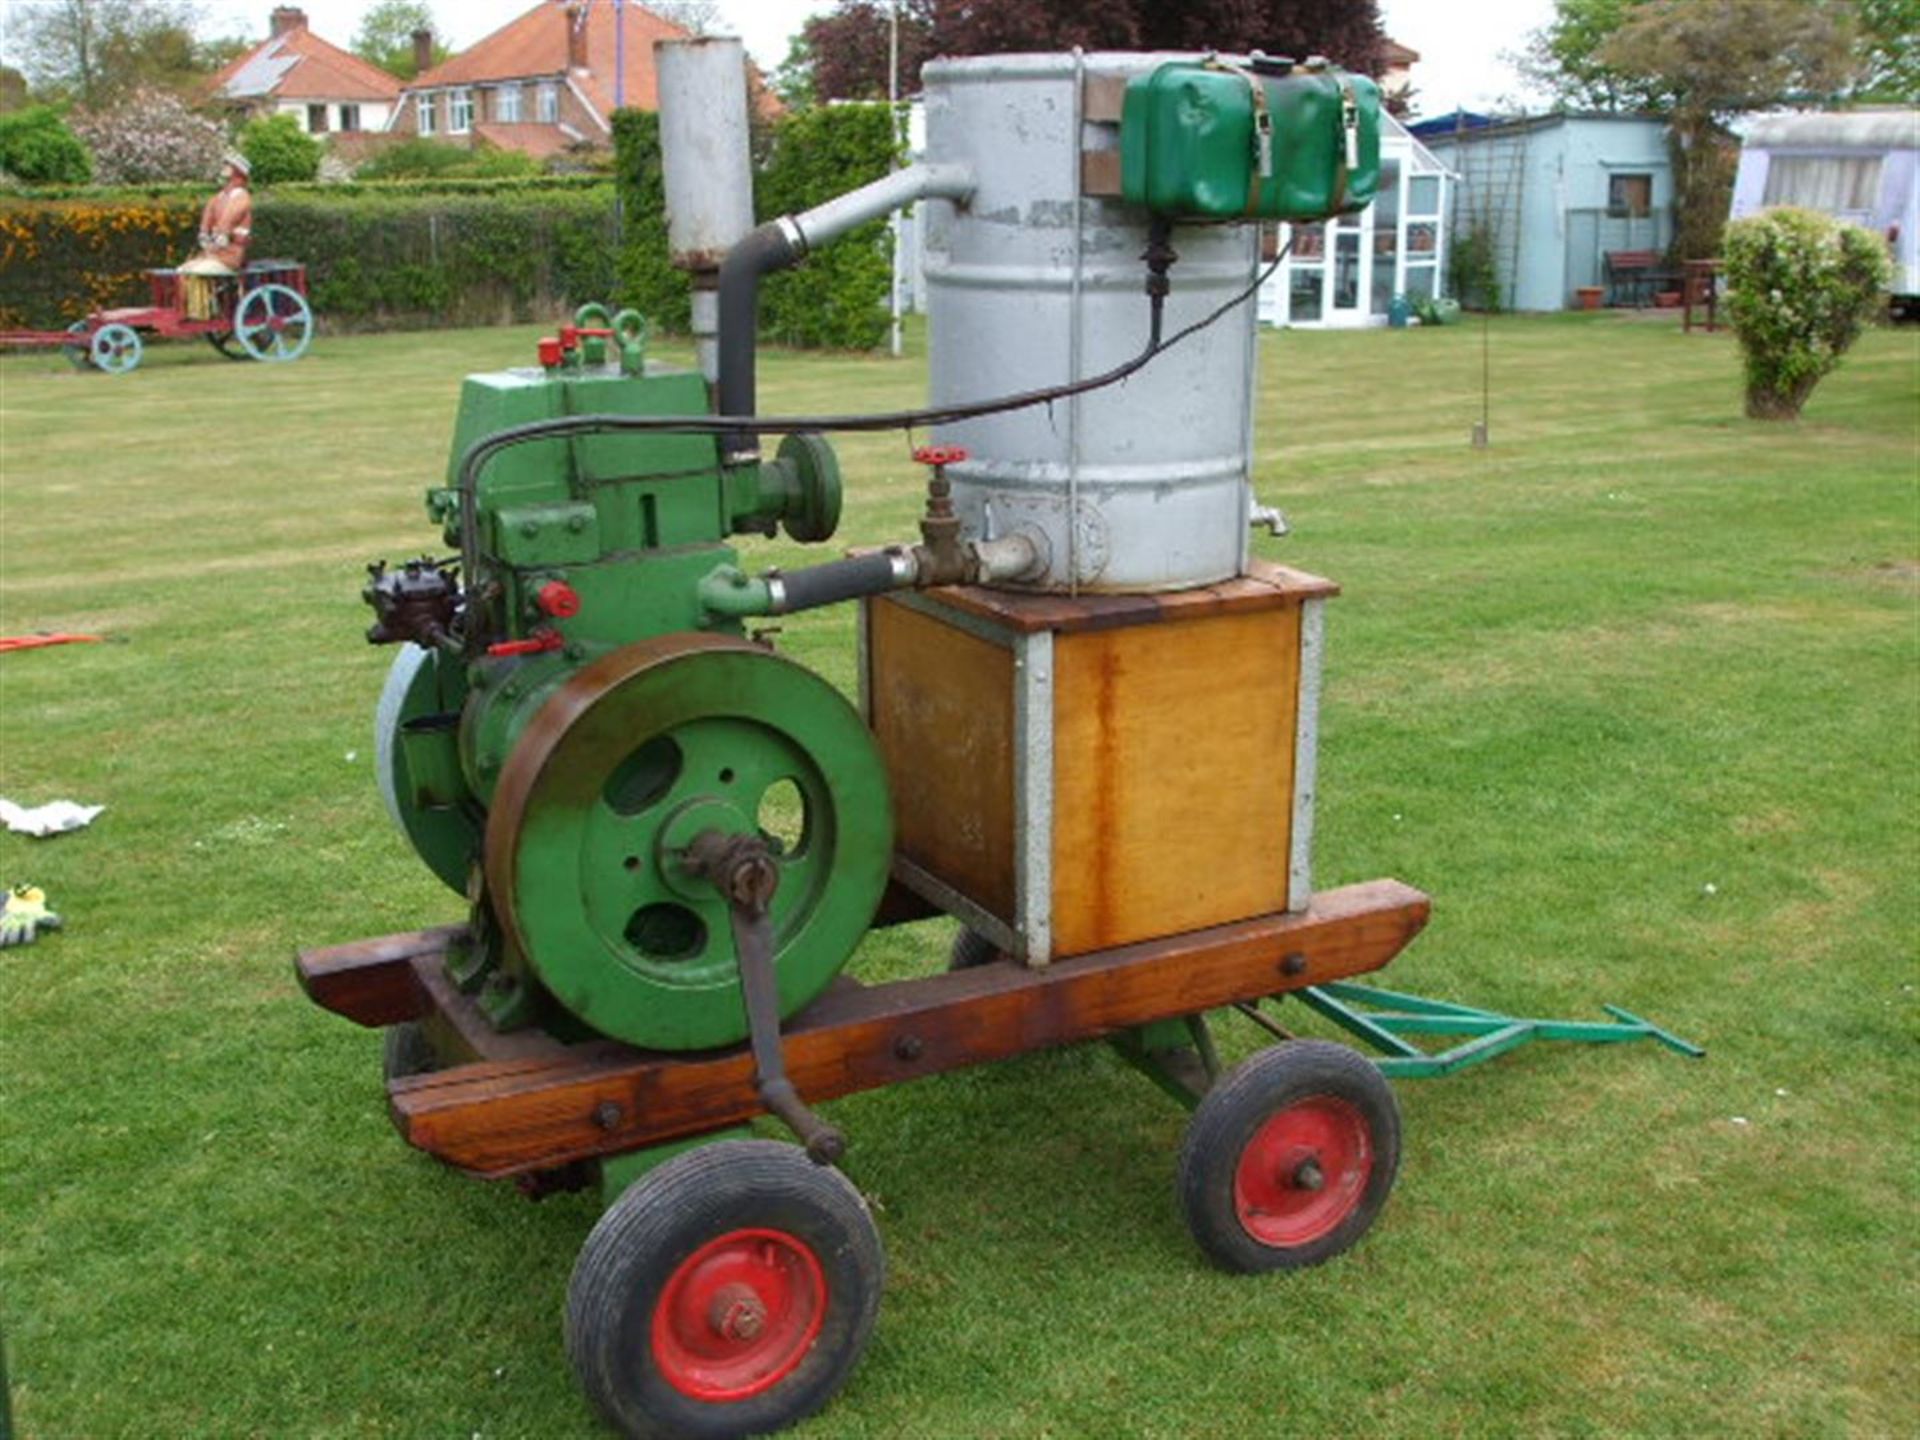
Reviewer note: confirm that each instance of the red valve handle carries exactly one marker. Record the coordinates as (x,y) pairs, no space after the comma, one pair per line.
(535,644)
(558,599)
(940,454)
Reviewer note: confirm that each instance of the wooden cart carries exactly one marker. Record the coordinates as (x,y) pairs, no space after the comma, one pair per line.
(260,314)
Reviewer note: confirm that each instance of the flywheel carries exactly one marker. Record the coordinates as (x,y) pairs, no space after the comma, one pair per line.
(616,775)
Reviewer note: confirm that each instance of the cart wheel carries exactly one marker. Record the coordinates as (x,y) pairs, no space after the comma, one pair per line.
(405,1050)
(728,1292)
(79,350)
(115,348)
(972,949)
(1289,1157)
(223,341)
(273,323)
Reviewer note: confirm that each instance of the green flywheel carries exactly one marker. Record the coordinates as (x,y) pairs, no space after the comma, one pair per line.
(612,779)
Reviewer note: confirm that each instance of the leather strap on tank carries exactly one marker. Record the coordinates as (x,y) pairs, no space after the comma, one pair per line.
(1349,142)
(1262,129)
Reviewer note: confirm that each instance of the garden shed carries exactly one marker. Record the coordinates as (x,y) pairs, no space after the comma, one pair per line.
(1546,198)
(1345,272)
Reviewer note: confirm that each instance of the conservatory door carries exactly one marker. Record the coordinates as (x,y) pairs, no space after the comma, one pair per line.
(1349,270)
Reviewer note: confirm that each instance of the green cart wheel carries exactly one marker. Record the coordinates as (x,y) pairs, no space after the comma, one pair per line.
(115,349)
(1289,1158)
(273,323)
(729,1292)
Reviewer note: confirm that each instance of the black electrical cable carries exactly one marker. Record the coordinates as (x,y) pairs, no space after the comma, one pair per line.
(567,426)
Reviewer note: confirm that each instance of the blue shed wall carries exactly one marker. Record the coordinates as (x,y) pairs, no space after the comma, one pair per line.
(1542,188)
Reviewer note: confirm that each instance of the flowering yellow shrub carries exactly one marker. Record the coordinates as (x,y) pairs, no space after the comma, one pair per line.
(60,260)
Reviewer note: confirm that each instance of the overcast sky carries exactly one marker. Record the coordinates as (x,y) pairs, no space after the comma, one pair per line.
(1460,45)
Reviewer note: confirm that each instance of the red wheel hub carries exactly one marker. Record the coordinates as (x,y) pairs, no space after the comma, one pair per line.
(739,1315)
(1303,1171)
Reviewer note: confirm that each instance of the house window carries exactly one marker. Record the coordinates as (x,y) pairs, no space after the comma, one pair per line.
(316,119)
(349,118)
(506,104)
(423,108)
(549,103)
(459,112)
(1630,195)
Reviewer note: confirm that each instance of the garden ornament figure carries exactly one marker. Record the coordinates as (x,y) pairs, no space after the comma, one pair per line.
(226,227)
(25,915)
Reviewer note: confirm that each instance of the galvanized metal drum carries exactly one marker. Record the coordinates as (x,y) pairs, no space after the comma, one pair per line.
(1143,485)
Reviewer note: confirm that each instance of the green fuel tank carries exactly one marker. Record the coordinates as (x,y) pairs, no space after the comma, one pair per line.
(1261,138)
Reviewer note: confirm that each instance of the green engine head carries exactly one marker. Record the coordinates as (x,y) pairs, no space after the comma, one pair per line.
(566,716)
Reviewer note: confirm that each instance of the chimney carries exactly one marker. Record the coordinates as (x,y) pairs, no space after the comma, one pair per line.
(422,50)
(286,18)
(576,37)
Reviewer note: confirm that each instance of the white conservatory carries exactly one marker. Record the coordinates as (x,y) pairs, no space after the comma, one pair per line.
(1345,272)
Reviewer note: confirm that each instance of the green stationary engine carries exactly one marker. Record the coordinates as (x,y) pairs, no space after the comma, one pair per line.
(578,729)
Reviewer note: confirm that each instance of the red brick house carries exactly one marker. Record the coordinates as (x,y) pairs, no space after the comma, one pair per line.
(544,82)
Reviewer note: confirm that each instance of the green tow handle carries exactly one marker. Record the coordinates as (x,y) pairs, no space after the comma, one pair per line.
(588,319)
(628,330)
(631,332)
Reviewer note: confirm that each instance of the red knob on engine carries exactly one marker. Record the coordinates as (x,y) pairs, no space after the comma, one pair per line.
(558,599)
(940,454)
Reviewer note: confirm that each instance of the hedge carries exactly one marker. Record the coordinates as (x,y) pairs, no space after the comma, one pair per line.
(198,191)
(385,254)
(374,260)
(837,297)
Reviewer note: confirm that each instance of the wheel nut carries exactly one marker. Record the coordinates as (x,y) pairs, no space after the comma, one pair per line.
(737,1313)
(1309,1176)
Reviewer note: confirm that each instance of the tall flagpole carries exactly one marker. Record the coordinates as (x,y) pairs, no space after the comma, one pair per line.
(893,119)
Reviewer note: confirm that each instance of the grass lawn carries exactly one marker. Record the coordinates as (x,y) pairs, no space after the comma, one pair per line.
(1634,693)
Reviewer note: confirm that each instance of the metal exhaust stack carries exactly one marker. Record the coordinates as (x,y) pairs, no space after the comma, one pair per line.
(708,170)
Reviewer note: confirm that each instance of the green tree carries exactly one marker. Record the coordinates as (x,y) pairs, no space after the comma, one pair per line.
(279,150)
(37,146)
(94,51)
(1562,58)
(385,36)
(1890,50)
(1800,287)
(1710,63)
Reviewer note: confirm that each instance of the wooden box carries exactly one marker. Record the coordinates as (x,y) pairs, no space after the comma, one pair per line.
(1074,774)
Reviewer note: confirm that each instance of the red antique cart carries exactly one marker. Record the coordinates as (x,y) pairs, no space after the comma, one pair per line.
(260,314)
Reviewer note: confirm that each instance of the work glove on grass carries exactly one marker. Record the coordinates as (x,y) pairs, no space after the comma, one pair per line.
(25,915)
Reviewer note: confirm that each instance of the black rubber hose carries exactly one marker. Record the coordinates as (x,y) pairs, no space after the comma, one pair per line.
(839,580)
(761,253)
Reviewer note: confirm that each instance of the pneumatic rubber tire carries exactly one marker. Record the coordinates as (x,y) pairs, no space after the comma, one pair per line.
(1289,1158)
(634,1348)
